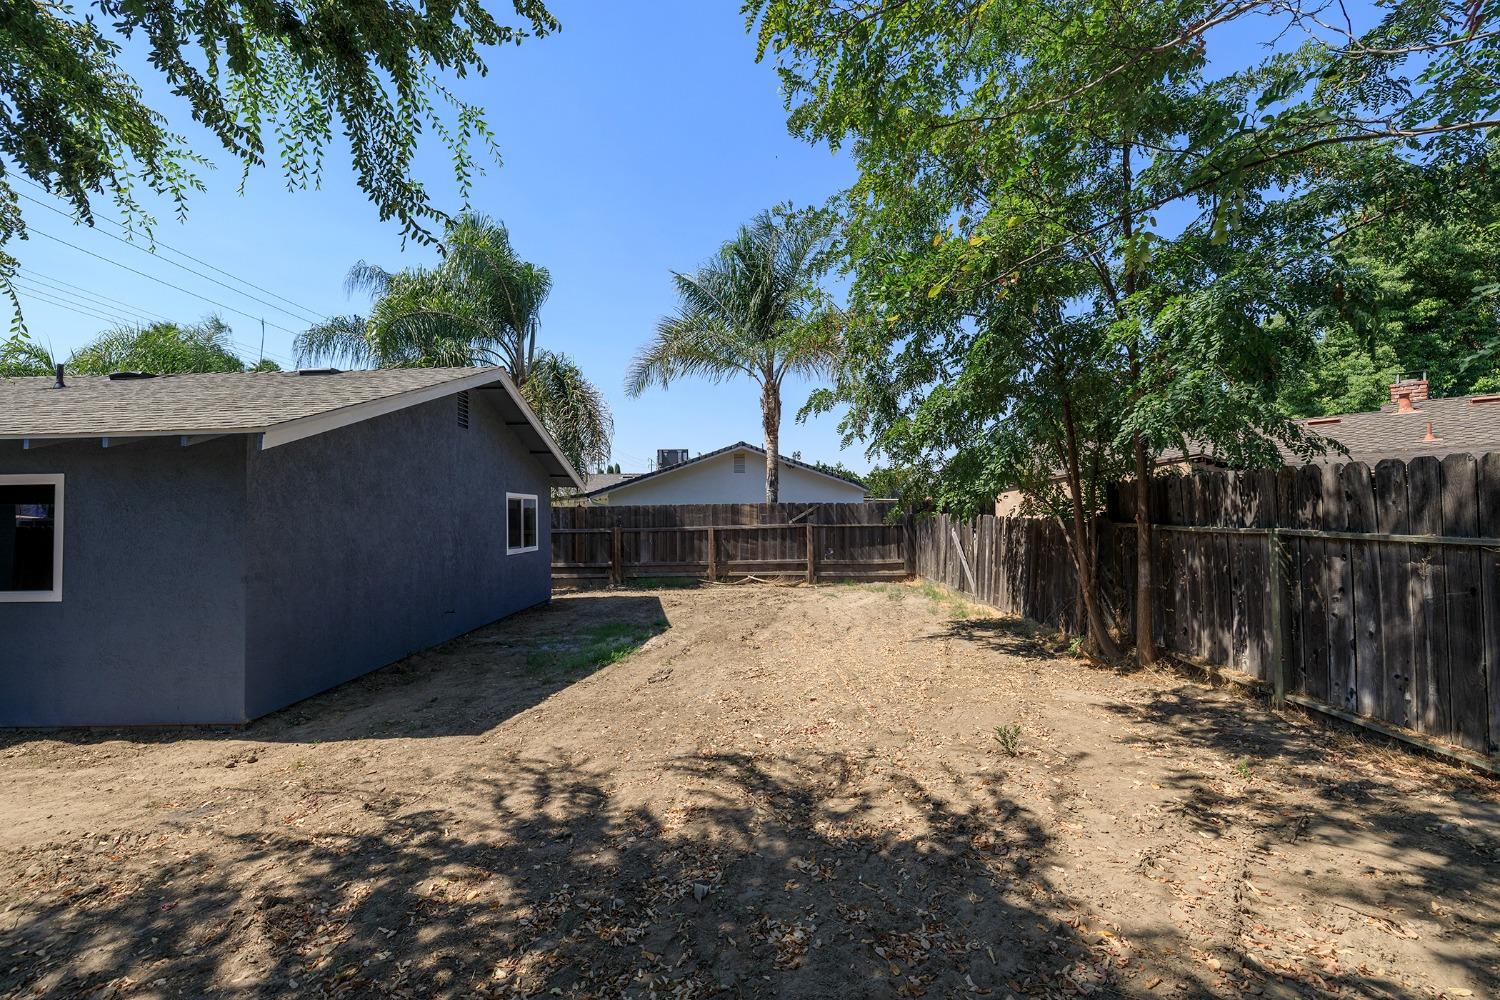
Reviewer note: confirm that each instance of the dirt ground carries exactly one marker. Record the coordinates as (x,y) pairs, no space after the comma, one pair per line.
(784,791)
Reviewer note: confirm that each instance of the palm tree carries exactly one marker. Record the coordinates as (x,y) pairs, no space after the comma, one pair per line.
(755,309)
(164,348)
(160,348)
(480,305)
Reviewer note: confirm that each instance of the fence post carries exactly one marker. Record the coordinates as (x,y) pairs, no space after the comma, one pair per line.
(713,554)
(812,564)
(1276,560)
(616,560)
(909,545)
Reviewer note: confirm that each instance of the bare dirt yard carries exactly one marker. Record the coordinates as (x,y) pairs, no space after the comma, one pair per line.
(840,791)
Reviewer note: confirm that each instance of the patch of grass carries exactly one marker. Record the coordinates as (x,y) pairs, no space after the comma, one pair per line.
(955,605)
(663,582)
(1009,739)
(593,648)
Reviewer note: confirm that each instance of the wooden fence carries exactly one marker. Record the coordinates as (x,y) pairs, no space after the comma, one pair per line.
(1370,594)
(717,541)
(1020,565)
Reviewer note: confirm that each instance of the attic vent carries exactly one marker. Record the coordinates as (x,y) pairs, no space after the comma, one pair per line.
(1324,420)
(317,371)
(1485,399)
(739,461)
(129,376)
(463,409)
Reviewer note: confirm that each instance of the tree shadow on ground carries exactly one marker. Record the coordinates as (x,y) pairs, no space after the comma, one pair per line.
(1447,834)
(1011,636)
(465,686)
(765,876)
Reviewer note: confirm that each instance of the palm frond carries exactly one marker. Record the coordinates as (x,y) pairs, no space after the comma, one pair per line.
(572,409)
(340,340)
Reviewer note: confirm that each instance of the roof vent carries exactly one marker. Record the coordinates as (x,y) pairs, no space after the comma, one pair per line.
(317,371)
(61,383)
(1320,421)
(1403,403)
(129,376)
(1485,399)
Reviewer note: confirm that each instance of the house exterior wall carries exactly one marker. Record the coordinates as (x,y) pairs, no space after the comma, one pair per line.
(714,480)
(382,538)
(151,625)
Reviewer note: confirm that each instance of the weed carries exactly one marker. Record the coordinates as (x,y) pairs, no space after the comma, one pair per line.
(1009,738)
(593,648)
(663,582)
(1242,768)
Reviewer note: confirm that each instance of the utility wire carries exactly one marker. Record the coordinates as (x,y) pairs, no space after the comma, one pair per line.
(168,260)
(243,351)
(160,281)
(71,307)
(92,299)
(184,253)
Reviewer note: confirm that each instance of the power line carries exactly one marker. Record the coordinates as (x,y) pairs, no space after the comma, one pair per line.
(65,288)
(304,319)
(243,351)
(33,277)
(152,277)
(71,307)
(197,260)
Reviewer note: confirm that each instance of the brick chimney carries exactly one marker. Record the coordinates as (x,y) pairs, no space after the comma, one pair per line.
(1406,391)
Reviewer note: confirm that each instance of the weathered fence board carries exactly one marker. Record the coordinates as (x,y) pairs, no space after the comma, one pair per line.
(809,541)
(1382,612)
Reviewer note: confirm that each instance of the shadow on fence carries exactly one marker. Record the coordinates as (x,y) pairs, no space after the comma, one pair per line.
(1369,594)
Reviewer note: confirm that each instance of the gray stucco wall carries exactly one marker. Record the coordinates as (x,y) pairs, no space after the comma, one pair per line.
(151,625)
(379,539)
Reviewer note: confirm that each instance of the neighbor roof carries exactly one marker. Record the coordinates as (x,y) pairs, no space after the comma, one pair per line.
(1459,423)
(631,480)
(280,407)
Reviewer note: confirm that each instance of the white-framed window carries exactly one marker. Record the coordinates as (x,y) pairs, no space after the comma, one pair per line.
(520,523)
(31,538)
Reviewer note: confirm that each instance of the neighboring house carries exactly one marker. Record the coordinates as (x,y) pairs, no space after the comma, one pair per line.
(736,474)
(210,548)
(1410,426)
(596,482)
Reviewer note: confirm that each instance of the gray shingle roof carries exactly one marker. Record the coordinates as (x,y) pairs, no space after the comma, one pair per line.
(196,404)
(631,480)
(1461,424)
(280,405)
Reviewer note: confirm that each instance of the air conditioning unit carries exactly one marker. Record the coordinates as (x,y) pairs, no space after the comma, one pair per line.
(668,457)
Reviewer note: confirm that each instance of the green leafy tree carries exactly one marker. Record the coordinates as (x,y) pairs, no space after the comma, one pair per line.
(1020,310)
(1414,290)
(755,309)
(481,305)
(268,80)
(892,482)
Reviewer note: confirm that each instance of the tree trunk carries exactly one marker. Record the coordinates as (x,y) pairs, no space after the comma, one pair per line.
(1145,637)
(770,415)
(1099,638)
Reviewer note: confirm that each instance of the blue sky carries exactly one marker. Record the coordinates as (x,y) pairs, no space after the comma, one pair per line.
(635,141)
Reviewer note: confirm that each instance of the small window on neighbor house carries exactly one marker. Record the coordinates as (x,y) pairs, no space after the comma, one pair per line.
(739,461)
(520,523)
(31,538)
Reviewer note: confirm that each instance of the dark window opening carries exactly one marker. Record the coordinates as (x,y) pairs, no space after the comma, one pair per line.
(28,515)
(520,523)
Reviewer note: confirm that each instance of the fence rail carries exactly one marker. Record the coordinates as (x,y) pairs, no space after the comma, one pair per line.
(809,542)
(1370,593)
